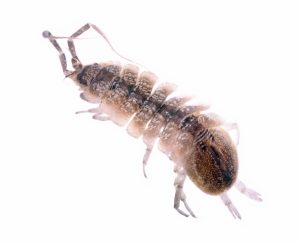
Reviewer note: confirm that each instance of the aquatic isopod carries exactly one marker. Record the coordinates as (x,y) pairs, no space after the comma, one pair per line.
(196,141)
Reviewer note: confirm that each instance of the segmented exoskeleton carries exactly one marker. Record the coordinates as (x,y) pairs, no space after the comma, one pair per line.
(196,141)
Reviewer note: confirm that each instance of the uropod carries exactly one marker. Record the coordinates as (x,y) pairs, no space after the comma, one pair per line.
(197,141)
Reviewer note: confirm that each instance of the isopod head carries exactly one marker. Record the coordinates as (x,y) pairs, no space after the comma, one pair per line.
(213,164)
(85,75)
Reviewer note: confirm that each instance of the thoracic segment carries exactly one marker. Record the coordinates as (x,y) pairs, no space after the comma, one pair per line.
(128,97)
(191,139)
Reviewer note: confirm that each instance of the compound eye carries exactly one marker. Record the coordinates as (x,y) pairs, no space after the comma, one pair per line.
(82,80)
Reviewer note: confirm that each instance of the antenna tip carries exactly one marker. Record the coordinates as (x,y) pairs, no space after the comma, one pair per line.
(46,34)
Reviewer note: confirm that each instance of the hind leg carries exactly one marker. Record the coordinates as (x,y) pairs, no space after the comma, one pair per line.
(233,127)
(179,194)
(226,200)
(247,191)
(213,120)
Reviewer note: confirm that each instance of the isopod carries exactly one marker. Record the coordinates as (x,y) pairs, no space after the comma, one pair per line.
(197,141)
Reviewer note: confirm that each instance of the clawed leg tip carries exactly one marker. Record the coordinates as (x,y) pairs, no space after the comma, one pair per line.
(248,191)
(186,214)
(259,199)
(253,195)
(144,171)
(181,212)
(235,213)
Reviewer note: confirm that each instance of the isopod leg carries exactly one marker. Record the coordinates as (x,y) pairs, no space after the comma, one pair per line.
(179,194)
(146,158)
(235,127)
(101,117)
(85,96)
(214,120)
(247,191)
(226,200)
(92,110)
(62,56)
(98,115)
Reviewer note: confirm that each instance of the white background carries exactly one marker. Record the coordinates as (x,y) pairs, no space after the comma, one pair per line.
(68,178)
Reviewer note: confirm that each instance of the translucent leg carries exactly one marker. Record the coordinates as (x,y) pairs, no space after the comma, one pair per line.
(214,120)
(101,117)
(146,158)
(235,127)
(226,200)
(179,194)
(247,191)
(98,115)
(84,96)
(92,110)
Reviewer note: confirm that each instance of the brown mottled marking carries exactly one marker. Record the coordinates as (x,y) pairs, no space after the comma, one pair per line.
(130,74)
(213,164)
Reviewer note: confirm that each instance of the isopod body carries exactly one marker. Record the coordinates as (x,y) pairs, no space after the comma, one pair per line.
(196,141)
